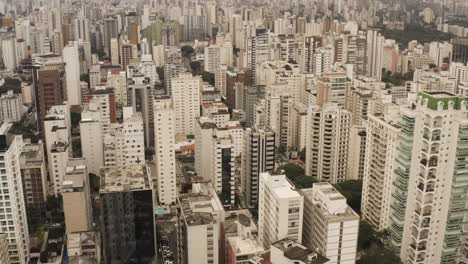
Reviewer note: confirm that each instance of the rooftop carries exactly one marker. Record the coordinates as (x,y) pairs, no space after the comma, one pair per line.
(295,251)
(280,186)
(244,246)
(127,178)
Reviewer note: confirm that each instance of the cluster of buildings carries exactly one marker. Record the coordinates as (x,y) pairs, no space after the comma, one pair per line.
(162,130)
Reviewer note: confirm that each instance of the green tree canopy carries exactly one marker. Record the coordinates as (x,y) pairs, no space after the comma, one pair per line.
(187,51)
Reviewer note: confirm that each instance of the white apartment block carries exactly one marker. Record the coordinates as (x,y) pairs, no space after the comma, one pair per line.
(375,43)
(206,129)
(102,99)
(58,156)
(124,144)
(217,55)
(186,96)
(322,60)
(383,134)
(13,213)
(92,141)
(201,218)
(281,76)
(429,205)
(94,76)
(280,210)
(330,226)
(327,143)
(297,126)
(11,107)
(72,70)
(4,256)
(357,151)
(164,156)
(258,156)
(220,79)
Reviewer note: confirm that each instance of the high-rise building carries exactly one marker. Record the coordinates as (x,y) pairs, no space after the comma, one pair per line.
(57,134)
(124,143)
(76,195)
(258,50)
(381,149)
(159,56)
(9,53)
(322,60)
(126,195)
(15,224)
(297,126)
(164,157)
(220,79)
(140,96)
(51,84)
(460,50)
(375,44)
(429,203)
(92,145)
(81,25)
(258,156)
(11,107)
(330,226)
(280,210)
(201,218)
(223,169)
(327,143)
(358,104)
(102,99)
(333,87)
(115,51)
(34,181)
(186,93)
(310,45)
(72,70)
(4,255)
(357,152)
(128,52)
(111,30)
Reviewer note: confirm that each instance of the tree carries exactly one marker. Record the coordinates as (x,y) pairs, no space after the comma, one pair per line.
(296,175)
(75,118)
(84,77)
(302,154)
(208,77)
(187,51)
(196,67)
(11,84)
(101,54)
(371,248)
(160,71)
(54,203)
(352,190)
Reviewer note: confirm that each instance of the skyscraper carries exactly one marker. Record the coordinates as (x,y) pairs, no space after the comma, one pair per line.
(280,210)
(258,156)
(14,211)
(327,143)
(186,93)
(164,157)
(72,70)
(375,43)
(429,205)
(330,225)
(460,50)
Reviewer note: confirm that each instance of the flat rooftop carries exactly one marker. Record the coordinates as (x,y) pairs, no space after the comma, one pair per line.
(126,178)
(245,246)
(295,251)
